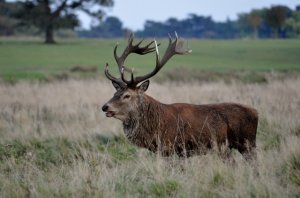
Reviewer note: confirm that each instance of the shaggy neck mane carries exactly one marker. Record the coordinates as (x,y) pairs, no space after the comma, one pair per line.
(144,122)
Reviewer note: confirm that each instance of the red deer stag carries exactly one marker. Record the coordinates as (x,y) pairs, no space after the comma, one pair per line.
(182,129)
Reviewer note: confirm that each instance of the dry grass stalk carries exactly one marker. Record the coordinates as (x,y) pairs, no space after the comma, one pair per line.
(65,118)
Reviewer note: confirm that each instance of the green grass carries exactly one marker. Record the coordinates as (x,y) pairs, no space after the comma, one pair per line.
(62,151)
(55,142)
(30,59)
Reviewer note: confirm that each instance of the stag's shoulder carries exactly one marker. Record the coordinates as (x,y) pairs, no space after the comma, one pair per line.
(235,108)
(214,107)
(242,107)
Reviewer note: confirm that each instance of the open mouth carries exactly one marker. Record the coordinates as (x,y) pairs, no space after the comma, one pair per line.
(110,114)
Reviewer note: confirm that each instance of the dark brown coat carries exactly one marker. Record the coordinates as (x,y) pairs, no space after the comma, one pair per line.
(187,129)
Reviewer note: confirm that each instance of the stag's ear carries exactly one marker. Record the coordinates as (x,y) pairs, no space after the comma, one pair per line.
(144,86)
(117,86)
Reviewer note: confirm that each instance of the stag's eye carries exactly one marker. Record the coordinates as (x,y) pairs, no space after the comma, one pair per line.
(127,96)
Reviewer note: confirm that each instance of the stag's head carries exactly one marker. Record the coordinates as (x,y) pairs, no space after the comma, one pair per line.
(129,92)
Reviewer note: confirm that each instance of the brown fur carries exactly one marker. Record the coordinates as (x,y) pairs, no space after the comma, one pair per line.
(186,129)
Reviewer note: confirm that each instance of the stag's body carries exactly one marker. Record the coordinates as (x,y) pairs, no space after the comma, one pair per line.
(183,129)
(187,129)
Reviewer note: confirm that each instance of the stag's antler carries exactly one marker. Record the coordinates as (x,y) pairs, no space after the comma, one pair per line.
(121,59)
(174,47)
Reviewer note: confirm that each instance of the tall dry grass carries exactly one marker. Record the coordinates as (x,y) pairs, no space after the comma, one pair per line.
(55,141)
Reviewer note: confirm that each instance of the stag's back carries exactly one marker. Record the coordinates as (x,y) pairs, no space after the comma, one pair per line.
(193,128)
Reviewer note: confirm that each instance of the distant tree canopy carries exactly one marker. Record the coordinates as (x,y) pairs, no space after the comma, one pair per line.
(49,15)
(194,26)
(276,16)
(7,20)
(111,27)
(276,21)
(292,24)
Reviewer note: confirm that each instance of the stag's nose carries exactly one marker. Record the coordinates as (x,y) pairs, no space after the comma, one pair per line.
(104,108)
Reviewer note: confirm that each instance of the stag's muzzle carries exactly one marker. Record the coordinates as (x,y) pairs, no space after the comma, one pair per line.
(107,112)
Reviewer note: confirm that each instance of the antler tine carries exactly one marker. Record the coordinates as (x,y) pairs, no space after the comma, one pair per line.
(121,59)
(123,78)
(156,69)
(131,48)
(111,77)
(130,41)
(174,47)
(139,42)
(144,50)
(116,57)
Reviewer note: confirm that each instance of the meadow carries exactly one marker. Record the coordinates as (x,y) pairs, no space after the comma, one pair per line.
(30,59)
(56,142)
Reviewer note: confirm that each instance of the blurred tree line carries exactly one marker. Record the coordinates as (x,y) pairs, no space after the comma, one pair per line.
(274,22)
(36,17)
(111,27)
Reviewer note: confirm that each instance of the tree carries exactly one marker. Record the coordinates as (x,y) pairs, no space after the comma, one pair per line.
(111,27)
(276,16)
(292,24)
(153,29)
(255,20)
(226,30)
(243,24)
(114,26)
(49,15)
(7,21)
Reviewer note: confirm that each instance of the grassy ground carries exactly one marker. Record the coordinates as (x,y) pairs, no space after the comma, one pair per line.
(30,59)
(55,142)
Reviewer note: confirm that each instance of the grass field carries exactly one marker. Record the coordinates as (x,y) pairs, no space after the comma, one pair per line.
(55,142)
(30,59)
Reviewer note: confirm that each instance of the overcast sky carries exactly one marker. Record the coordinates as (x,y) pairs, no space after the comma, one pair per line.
(134,13)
